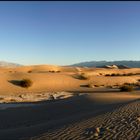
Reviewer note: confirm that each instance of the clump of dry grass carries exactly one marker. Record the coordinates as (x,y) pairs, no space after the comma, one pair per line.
(107,75)
(126,88)
(109,86)
(96,85)
(137,84)
(83,76)
(29,71)
(51,97)
(90,85)
(125,74)
(26,83)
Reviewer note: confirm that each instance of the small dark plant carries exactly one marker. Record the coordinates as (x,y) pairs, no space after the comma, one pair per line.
(26,83)
(51,97)
(29,71)
(107,75)
(83,76)
(113,74)
(126,88)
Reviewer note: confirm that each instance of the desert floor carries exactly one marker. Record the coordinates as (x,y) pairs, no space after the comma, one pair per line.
(77,110)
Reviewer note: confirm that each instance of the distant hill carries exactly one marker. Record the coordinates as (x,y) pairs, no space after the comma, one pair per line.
(131,64)
(8,64)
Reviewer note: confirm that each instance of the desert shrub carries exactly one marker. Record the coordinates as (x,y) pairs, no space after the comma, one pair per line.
(51,97)
(109,86)
(90,85)
(129,74)
(13,100)
(52,71)
(83,76)
(107,75)
(126,88)
(116,74)
(132,84)
(137,84)
(113,74)
(1,98)
(29,71)
(76,94)
(26,83)
(96,85)
(116,85)
(127,84)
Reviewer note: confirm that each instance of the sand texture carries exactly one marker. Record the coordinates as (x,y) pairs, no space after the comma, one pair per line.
(69,103)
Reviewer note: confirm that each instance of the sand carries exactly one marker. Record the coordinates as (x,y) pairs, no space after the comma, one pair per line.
(72,118)
(76,111)
(120,124)
(49,78)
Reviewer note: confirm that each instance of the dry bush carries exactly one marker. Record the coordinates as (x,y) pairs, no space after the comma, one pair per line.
(109,86)
(26,83)
(83,76)
(113,74)
(96,85)
(116,74)
(29,71)
(90,85)
(13,100)
(127,84)
(126,88)
(129,74)
(137,84)
(51,97)
(132,84)
(107,75)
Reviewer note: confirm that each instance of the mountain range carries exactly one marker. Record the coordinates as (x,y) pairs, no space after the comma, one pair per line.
(131,64)
(8,64)
(127,63)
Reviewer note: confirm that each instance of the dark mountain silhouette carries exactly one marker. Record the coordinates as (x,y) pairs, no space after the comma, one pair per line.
(123,64)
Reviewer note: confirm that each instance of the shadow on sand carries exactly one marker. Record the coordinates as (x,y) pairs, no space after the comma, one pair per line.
(15,82)
(26,122)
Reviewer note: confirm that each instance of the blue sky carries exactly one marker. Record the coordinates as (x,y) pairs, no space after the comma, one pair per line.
(64,33)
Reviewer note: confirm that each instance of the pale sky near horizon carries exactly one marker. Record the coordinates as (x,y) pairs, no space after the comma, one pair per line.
(64,33)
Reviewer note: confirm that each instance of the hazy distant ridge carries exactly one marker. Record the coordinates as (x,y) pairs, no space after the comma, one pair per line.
(8,64)
(132,64)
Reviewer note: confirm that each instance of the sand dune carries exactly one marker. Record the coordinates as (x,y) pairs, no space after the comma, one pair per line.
(49,78)
(60,104)
(61,79)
